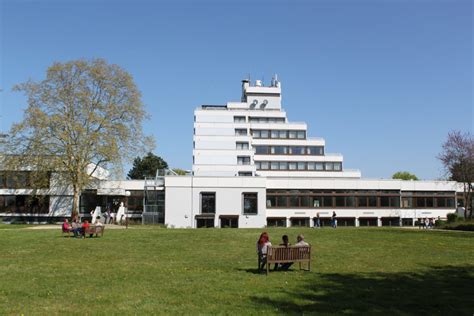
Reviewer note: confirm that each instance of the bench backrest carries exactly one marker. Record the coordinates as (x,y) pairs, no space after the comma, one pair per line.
(288,254)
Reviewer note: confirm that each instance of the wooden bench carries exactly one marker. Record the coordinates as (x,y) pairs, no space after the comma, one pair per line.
(97,230)
(282,254)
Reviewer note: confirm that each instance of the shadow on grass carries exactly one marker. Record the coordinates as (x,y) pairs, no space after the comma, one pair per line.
(438,290)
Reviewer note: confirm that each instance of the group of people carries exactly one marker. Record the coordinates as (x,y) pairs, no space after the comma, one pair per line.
(333,221)
(426,223)
(262,248)
(77,228)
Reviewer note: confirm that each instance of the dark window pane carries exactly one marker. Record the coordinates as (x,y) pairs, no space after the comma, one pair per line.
(294,201)
(327,201)
(362,201)
(420,202)
(350,201)
(271,201)
(394,201)
(384,201)
(340,201)
(208,203)
(282,201)
(372,201)
(305,201)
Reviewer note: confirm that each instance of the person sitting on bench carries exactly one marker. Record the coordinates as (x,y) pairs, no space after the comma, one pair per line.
(286,243)
(262,245)
(300,243)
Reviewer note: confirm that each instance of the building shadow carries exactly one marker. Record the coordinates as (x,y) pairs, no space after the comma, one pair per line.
(444,290)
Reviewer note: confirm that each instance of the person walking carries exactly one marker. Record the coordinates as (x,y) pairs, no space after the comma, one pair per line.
(318,221)
(334,220)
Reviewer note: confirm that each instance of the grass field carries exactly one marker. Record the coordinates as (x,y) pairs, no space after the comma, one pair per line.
(146,270)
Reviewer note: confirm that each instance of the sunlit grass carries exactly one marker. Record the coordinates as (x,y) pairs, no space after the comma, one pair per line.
(212,271)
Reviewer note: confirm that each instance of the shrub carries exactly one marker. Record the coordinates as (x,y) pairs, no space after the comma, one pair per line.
(452,217)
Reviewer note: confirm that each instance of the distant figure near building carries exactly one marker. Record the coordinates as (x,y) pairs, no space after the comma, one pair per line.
(333,220)
(318,221)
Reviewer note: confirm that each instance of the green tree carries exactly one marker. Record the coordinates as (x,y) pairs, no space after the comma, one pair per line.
(404,175)
(84,118)
(146,167)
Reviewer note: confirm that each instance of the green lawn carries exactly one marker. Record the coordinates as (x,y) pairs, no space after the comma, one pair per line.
(146,270)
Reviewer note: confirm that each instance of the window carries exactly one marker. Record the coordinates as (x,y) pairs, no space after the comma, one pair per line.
(294,201)
(229,221)
(240,132)
(292,134)
(256,133)
(283,134)
(276,222)
(244,174)
(250,203)
(271,201)
(275,165)
(305,201)
(319,166)
(337,166)
(261,150)
(315,150)
(243,160)
(264,134)
(282,201)
(327,200)
(264,165)
(241,145)
(274,134)
(208,202)
(301,165)
(317,201)
(301,134)
(283,165)
(239,119)
(350,201)
(311,166)
(340,201)
(329,166)
(292,165)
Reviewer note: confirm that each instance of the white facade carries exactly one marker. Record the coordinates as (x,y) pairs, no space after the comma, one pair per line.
(254,137)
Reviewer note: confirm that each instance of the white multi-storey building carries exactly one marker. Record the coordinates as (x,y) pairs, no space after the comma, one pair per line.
(254,137)
(251,168)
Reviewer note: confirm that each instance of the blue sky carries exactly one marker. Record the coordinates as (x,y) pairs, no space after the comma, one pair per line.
(383,81)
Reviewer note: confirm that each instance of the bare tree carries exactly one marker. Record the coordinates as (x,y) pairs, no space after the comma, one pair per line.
(458,160)
(85,116)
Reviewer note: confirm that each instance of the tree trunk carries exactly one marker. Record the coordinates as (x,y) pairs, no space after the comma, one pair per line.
(75,203)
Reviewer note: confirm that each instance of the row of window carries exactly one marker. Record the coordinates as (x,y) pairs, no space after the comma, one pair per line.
(298,166)
(24,204)
(327,201)
(289,150)
(347,221)
(24,180)
(278,134)
(243,119)
(249,203)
